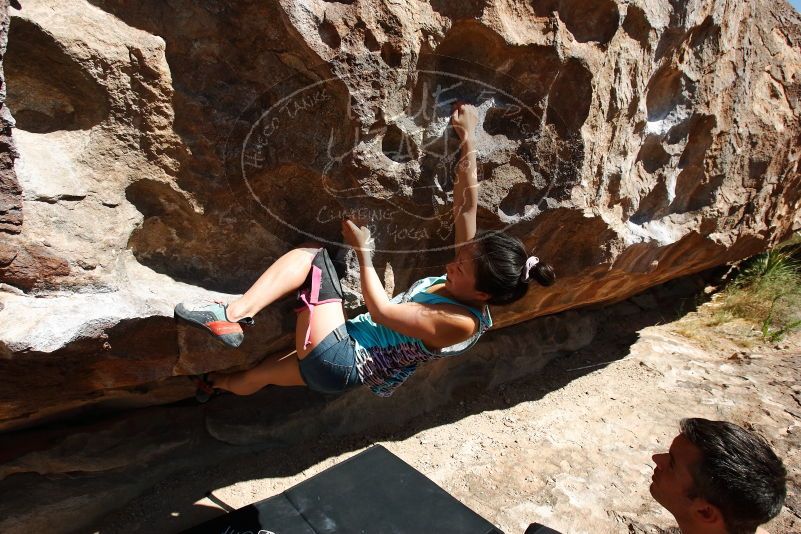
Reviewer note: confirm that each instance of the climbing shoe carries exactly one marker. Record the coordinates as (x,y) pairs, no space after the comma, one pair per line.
(212,317)
(204,388)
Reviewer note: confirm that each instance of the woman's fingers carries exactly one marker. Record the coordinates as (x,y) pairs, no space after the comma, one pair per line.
(355,236)
(462,114)
(347,228)
(464,119)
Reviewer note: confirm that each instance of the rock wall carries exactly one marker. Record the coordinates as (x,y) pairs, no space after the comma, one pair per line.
(10,191)
(171,150)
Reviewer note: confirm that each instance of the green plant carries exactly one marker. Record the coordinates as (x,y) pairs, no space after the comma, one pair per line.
(767,292)
(779,333)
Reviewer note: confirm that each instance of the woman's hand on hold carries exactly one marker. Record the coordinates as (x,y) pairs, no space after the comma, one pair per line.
(464,119)
(356,236)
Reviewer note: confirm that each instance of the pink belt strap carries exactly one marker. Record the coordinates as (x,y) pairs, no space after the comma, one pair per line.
(311,298)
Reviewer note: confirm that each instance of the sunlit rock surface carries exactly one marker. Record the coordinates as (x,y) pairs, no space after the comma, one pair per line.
(171,150)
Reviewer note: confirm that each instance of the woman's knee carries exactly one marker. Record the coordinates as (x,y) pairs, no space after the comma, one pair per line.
(305,252)
(303,258)
(310,245)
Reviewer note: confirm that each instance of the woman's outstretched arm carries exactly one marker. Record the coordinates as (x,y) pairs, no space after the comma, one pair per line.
(438,325)
(465,186)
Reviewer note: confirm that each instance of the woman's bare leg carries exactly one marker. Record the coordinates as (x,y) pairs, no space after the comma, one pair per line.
(285,275)
(284,371)
(325,319)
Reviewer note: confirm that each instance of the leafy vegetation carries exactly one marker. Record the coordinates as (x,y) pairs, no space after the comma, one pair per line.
(767,292)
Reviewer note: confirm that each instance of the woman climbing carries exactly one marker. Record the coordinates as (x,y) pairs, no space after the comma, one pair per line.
(438,316)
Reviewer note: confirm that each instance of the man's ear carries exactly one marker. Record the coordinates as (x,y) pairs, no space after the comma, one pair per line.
(706,513)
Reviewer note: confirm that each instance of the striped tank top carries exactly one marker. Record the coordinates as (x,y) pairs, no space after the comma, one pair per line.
(385,358)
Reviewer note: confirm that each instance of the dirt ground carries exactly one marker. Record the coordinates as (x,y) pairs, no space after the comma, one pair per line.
(574,454)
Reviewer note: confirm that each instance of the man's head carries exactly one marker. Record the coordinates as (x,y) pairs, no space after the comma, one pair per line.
(718,477)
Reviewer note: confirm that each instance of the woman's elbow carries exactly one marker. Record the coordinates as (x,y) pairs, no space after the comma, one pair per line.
(378,314)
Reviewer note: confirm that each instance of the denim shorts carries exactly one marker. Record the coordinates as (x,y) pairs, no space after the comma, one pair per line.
(331,366)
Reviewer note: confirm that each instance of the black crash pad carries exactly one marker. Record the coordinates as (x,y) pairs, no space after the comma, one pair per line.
(374,492)
(536,528)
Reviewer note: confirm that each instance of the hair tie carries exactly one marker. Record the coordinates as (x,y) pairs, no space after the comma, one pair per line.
(530,263)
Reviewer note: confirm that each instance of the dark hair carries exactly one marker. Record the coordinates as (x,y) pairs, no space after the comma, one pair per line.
(501,268)
(738,473)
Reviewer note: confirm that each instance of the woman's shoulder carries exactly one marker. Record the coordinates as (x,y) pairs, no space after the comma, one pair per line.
(420,286)
(425,283)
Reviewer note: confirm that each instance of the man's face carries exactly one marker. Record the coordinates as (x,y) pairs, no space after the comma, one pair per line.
(672,479)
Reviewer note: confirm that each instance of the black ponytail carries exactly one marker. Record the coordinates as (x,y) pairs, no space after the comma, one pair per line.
(501,268)
(542,273)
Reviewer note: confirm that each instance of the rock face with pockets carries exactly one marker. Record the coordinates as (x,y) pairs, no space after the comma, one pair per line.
(10,192)
(170,150)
